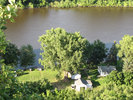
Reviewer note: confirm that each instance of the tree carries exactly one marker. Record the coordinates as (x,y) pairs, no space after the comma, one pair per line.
(3,2)
(6,12)
(125,51)
(63,51)
(11,57)
(3,44)
(27,56)
(112,55)
(98,54)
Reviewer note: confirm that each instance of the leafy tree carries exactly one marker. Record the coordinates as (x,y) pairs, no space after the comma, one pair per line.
(63,51)
(126,52)
(27,56)
(128,78)
(112,77)
(11,89)
(98,54)
(3,2)
(112,55)
(11,57)
(6,12)
(3,44)
(6,86)
(120,78)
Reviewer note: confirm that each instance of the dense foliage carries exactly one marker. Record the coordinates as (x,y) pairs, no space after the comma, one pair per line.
(10,88)
(112,55)
(126,52)
(62,51)
(11,57)
(6,12)
(120,78)
(107,92)
(73,3)
(37,91)
(98,53)
(27,56)
(63,4)
(68,47)
(3,2)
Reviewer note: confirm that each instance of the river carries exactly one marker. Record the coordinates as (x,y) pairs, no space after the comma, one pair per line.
(106,24)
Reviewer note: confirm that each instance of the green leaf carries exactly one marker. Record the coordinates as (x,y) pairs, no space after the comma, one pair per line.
(12,20)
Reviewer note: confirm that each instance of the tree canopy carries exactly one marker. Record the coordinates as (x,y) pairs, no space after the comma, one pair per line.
(98,54)
(62,51)
(126,52)
(112,55)
(6,12)
(27,56)
(11,56)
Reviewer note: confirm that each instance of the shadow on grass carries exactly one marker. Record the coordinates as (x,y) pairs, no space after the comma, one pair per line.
(21,74)
(26,73)
(95,83)
(63,84)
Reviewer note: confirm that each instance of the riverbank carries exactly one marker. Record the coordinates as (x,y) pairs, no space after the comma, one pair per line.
(75,7)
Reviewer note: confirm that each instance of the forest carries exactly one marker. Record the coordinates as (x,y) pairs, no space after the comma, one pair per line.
(70,3)
(72,53)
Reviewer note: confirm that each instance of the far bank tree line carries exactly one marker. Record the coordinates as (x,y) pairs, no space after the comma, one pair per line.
(70,3)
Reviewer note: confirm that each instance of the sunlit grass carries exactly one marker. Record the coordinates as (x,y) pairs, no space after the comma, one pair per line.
(47,74)
(51,76)
(38,75)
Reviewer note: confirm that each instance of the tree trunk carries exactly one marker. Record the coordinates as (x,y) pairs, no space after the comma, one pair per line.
(25,68)
(65,76)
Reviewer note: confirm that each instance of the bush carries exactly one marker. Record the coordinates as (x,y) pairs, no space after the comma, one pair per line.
(19,72)
(120,78)
(10,88)
(31,5)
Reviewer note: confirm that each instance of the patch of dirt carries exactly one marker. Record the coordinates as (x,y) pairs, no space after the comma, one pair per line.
(57,85)
(61,84)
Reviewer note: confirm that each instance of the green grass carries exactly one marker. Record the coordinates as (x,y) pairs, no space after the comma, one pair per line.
(47,74)
(38,75)
(50,75)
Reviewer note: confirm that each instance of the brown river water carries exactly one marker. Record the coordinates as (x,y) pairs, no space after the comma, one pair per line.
(106,24)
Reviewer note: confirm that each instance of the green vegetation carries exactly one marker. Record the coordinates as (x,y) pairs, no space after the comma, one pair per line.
(11,56)
(70,3)
(126,52)
(70,49)
(98,54)
(63,51)
(27,56)
(112,55)
(38,75)
(120,78)
(11,89)
(6,12)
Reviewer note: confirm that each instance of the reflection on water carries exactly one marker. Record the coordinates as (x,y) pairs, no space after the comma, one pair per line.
(106,24)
